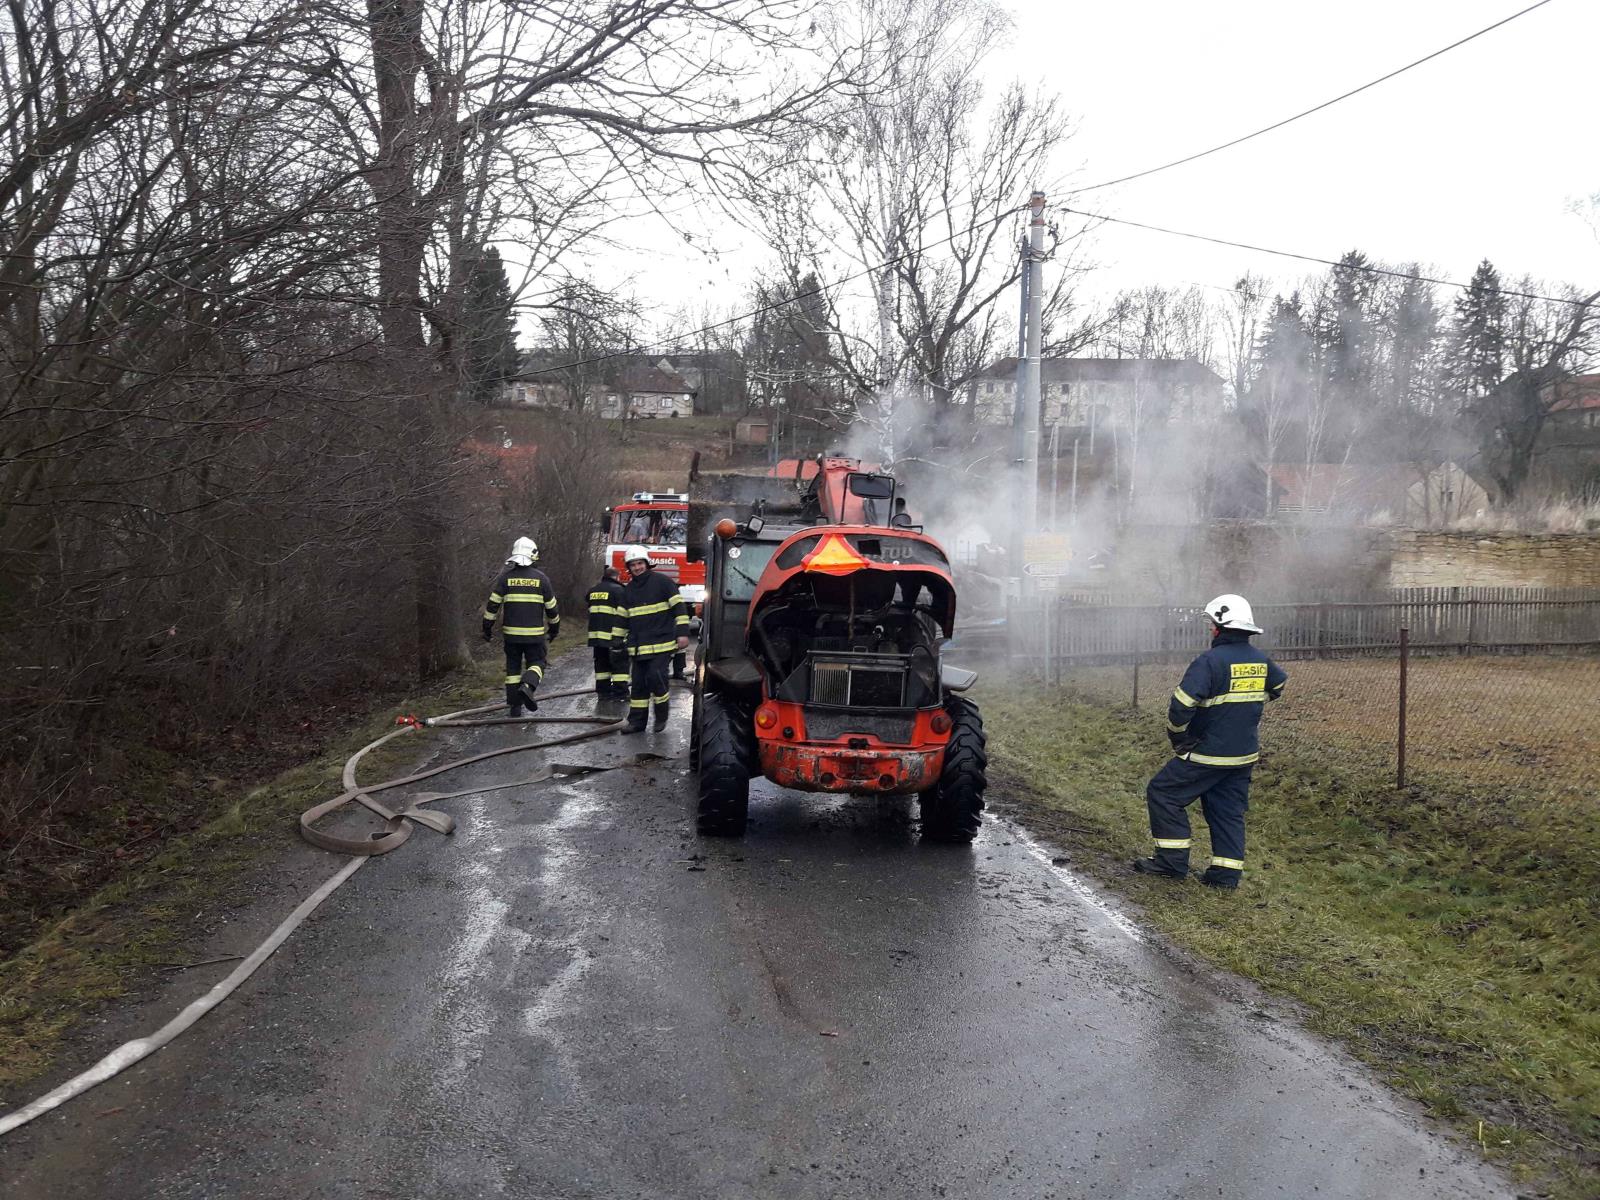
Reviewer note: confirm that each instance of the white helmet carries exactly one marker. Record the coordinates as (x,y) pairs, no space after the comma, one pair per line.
(634,552)
(1232,612)
(524,552)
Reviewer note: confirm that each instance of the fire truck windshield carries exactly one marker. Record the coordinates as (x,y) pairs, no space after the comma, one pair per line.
(650,526)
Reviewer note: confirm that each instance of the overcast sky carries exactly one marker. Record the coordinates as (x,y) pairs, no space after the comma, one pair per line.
(1476,154)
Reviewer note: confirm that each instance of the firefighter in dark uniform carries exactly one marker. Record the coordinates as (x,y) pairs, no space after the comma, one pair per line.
(1213,724)
(610,655)
(654,624)
(530,619)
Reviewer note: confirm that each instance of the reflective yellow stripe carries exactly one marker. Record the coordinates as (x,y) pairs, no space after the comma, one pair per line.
(1183,698)
(524,598)
(603,610)
(1236,863)
(655,648)
(1174,843)
(487,615)
(1171,728)
(661,699)
(523,631)
(600,635)
(644,610)
(1236,698)
(513,678)
(682,621)
(1212,760)
(638,704)
(495,597)
(550,602)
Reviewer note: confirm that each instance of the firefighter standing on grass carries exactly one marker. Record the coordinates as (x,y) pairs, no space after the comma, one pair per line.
(525,602)
(654,624)
(610,654)
(1213,724)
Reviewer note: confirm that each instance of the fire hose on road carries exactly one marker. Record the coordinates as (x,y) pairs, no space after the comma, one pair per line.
(399,825)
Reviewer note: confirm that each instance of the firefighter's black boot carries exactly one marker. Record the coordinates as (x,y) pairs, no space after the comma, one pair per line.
(1217,877)
(514,711)
(1154,866)
(661,717)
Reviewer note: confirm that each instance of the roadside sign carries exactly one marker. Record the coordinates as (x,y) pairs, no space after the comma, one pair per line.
(1046,554)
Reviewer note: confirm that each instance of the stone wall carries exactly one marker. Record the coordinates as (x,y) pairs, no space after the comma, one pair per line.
(1172,563)
(1289,562)
(1436,559)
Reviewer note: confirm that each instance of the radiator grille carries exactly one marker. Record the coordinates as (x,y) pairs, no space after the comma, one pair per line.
(874,687)
(830,683)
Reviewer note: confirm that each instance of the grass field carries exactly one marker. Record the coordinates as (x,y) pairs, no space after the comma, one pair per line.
(1449,935)
(1525,724)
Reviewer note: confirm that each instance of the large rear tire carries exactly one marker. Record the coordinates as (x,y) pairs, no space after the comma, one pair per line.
(724,777)
(952,810)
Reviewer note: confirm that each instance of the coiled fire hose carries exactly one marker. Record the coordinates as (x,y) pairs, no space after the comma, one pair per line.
(398,830)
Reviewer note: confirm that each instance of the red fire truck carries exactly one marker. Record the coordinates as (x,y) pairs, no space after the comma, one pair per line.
(658,520)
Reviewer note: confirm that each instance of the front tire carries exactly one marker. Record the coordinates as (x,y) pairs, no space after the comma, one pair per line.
(724,779)
(952,809)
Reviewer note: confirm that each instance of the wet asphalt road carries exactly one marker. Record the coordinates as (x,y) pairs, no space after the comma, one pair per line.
(554,1003)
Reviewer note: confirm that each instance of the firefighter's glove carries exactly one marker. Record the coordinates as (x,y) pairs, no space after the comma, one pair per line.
(555,632)
(488,633)
(1182,744)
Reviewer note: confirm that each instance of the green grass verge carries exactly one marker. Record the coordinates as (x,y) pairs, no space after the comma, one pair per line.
(113,940)
(1450,940)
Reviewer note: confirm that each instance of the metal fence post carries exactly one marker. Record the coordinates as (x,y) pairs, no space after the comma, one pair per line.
(1322,629)
(1472,624)
(1135,679)
(1405,662)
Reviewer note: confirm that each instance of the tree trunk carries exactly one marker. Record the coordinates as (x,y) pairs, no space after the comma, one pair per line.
(410,376)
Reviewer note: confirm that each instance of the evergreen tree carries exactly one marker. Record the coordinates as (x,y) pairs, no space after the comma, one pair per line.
(1414,346)
(1478,341)
(787,353)
(1349,343)
(488,331)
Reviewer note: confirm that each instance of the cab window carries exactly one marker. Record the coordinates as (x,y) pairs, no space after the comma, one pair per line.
(740,575)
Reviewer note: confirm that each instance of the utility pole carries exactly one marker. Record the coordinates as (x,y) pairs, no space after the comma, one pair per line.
(1025,415)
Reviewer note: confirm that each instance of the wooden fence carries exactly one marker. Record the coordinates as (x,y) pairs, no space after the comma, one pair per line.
(1439,620)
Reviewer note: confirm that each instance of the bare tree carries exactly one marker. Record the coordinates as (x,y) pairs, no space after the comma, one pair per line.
(582,327)
(1546,340)
(1243,317)
(1151,323)
(914,184)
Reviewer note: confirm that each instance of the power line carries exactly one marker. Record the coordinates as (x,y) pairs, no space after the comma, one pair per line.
(1178,162)
(1326,262)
